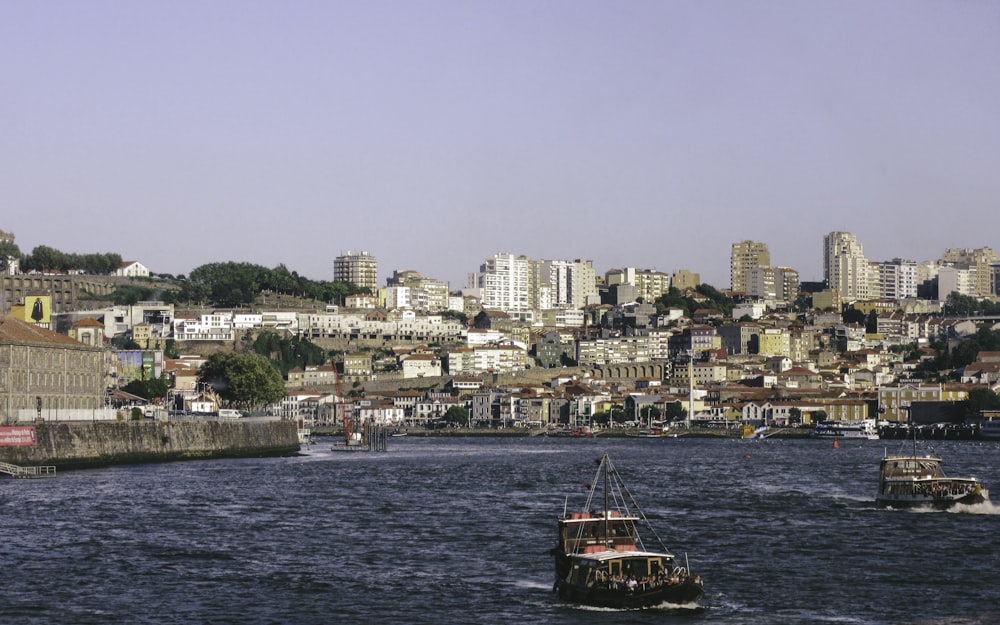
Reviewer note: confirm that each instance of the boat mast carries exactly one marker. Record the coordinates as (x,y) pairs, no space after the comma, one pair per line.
(607,511)
(913,429)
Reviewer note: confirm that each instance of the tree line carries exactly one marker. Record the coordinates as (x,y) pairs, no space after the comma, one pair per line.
(44,258)
(232,285)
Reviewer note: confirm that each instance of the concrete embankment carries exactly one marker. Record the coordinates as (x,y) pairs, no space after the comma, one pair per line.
(77,445)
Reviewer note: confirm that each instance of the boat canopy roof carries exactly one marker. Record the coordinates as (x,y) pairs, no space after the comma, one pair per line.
(911,466)
(604,556)
(577,517)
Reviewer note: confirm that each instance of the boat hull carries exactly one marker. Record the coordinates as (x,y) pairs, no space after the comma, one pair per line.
(684,592)
(937,503)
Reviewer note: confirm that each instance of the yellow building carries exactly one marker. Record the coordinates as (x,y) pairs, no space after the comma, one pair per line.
(774,342)
(826,300)
(893,400)
(35,309)
(684,279)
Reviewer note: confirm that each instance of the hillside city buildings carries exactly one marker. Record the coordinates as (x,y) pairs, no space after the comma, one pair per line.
(535,341)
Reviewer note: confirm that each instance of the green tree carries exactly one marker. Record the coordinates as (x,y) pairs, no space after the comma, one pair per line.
(601,418)
(454,314)
(871,322)
(237,284)
(8,251)
(288,353)
(649,413)
(47,258)
(981,399)
(457,415)
(148,389)
(958,304)
(243,381)
(129,295)
(853,316)
(966,352)
(674,411)
(705,296)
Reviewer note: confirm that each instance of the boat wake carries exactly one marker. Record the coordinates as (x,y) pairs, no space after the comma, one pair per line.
(986,507)
(686,608)
(524,583)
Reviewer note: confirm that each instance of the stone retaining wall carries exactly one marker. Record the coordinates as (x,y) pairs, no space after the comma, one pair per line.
(74,445)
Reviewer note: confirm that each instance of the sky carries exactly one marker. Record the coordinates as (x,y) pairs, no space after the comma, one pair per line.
(435,134)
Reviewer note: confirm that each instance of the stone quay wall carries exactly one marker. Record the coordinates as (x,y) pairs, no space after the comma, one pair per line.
(77,445)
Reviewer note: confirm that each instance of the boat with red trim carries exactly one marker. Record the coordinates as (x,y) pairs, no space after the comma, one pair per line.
(601,558)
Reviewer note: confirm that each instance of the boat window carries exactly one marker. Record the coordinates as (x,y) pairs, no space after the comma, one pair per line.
(637,568)
(616,567)
(655,566)
(583,573)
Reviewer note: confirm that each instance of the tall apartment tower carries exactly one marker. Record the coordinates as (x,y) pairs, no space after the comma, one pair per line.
(505,283)
(359,268)
(775,283)
(649,284)
(521,286)
(746,255)
(569,283)
(845,267)
(898,279)
(978,262)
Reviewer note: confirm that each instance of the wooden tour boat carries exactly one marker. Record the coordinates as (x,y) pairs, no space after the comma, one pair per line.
(919,482)
(601,559)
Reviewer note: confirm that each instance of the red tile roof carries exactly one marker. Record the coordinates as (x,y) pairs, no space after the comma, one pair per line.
(16,331)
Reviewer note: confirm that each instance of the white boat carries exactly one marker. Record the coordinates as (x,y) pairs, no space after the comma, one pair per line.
(918,481)
(865,428)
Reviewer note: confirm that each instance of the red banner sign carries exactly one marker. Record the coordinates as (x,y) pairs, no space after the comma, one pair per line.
(18,436)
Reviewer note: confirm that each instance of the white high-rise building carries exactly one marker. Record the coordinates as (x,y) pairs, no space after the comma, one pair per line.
(978,262)
(898,279)
(504,283)
(521,287)
(956,280)
(845,267)
(359,268)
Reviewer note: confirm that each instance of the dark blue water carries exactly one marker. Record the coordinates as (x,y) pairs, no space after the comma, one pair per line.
(456,531)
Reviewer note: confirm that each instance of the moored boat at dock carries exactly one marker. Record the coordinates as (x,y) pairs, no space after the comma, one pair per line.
(865,428)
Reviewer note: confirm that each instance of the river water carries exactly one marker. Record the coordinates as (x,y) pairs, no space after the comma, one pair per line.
(456,531)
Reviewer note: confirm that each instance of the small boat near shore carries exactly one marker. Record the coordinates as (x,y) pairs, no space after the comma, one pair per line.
(601,559)
(990,429)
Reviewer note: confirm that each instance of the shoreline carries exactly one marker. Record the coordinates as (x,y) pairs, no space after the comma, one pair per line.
(786,433)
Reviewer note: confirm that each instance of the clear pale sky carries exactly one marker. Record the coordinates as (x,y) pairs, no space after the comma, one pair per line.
(435,134)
